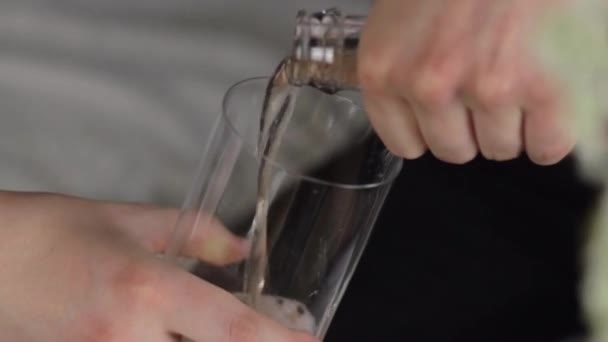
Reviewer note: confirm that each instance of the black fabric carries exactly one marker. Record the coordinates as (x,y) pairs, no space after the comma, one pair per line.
(480,252)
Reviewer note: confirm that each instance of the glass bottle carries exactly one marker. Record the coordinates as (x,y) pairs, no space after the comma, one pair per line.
(324,51)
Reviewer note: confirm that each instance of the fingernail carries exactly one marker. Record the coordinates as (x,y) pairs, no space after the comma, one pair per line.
(223,249)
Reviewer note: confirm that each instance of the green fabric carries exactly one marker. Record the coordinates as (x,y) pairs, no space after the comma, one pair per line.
(574,44)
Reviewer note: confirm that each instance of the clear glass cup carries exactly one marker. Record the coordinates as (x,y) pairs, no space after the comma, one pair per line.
(331,176)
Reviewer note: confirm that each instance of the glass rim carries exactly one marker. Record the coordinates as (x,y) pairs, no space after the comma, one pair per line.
(392,175)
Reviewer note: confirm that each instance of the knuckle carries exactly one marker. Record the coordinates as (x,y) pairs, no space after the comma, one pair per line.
(137,286)
(431,89)
(499,147)
(493,91)
(371,79)
(461,159)
(243,327)
(503,153)
(402,141)
(97,328)
(406,151)
(457,156)
(550,154)
(372,72)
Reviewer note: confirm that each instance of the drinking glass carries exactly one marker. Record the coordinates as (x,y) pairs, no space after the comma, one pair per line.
(330,177)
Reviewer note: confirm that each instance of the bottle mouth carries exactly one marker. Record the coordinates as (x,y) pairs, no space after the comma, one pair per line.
(318,35)
(325,44)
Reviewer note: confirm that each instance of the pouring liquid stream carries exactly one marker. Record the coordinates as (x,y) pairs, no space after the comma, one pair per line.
(277,110)
(328,76)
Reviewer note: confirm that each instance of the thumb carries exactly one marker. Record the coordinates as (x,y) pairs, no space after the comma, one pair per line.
(203,312)
(154,226)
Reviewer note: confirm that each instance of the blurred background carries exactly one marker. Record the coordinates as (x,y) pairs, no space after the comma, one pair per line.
(114,99)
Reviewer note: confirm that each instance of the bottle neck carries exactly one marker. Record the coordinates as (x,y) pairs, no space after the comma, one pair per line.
(324,52)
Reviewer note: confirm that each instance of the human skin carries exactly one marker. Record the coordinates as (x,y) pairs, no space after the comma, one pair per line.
(458,78)
(76,270)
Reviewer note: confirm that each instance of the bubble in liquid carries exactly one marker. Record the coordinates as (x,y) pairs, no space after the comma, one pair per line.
(288,312)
